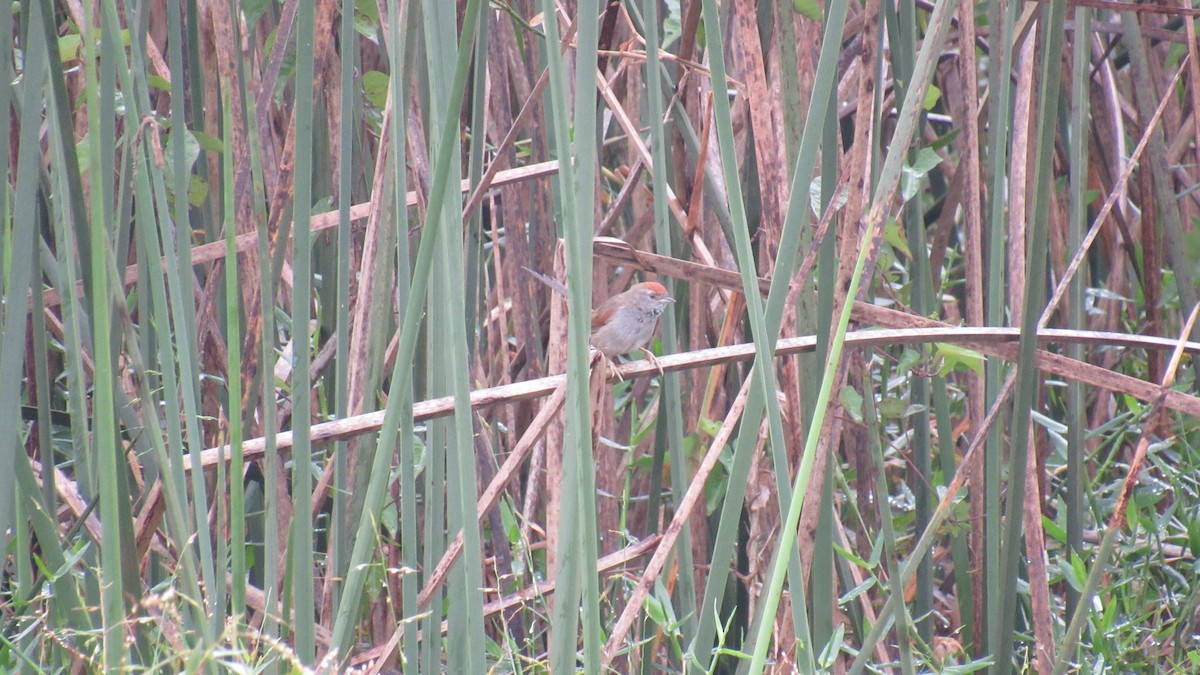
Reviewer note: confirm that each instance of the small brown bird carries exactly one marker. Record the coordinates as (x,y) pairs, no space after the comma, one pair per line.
(625,322)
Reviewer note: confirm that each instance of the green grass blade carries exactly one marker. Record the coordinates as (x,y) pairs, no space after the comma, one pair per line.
(1028,376)
(302,451)
(939,22)
(402,372)
(814,131)
(1077,214)
(672,401)
(574,138)
(15,316)
(448,354)
(999,132)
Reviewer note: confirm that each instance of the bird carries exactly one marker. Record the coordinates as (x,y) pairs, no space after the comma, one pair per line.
(625,322)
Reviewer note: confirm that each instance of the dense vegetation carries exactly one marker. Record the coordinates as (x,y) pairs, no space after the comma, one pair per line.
(925,401)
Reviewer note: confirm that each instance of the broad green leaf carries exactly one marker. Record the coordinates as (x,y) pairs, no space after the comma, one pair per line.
(366,19)
(892,408)
(932,96)
(953,356)
(851,402)
(814,197)
(914,174)
(191,150)
(810,9)
(69,46)
(893,235)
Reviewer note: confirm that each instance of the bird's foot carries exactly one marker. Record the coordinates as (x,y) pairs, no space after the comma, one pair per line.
(653,359)
(610,367)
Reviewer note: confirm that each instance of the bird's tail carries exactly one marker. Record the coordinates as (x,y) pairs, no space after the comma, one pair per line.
(554,284)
